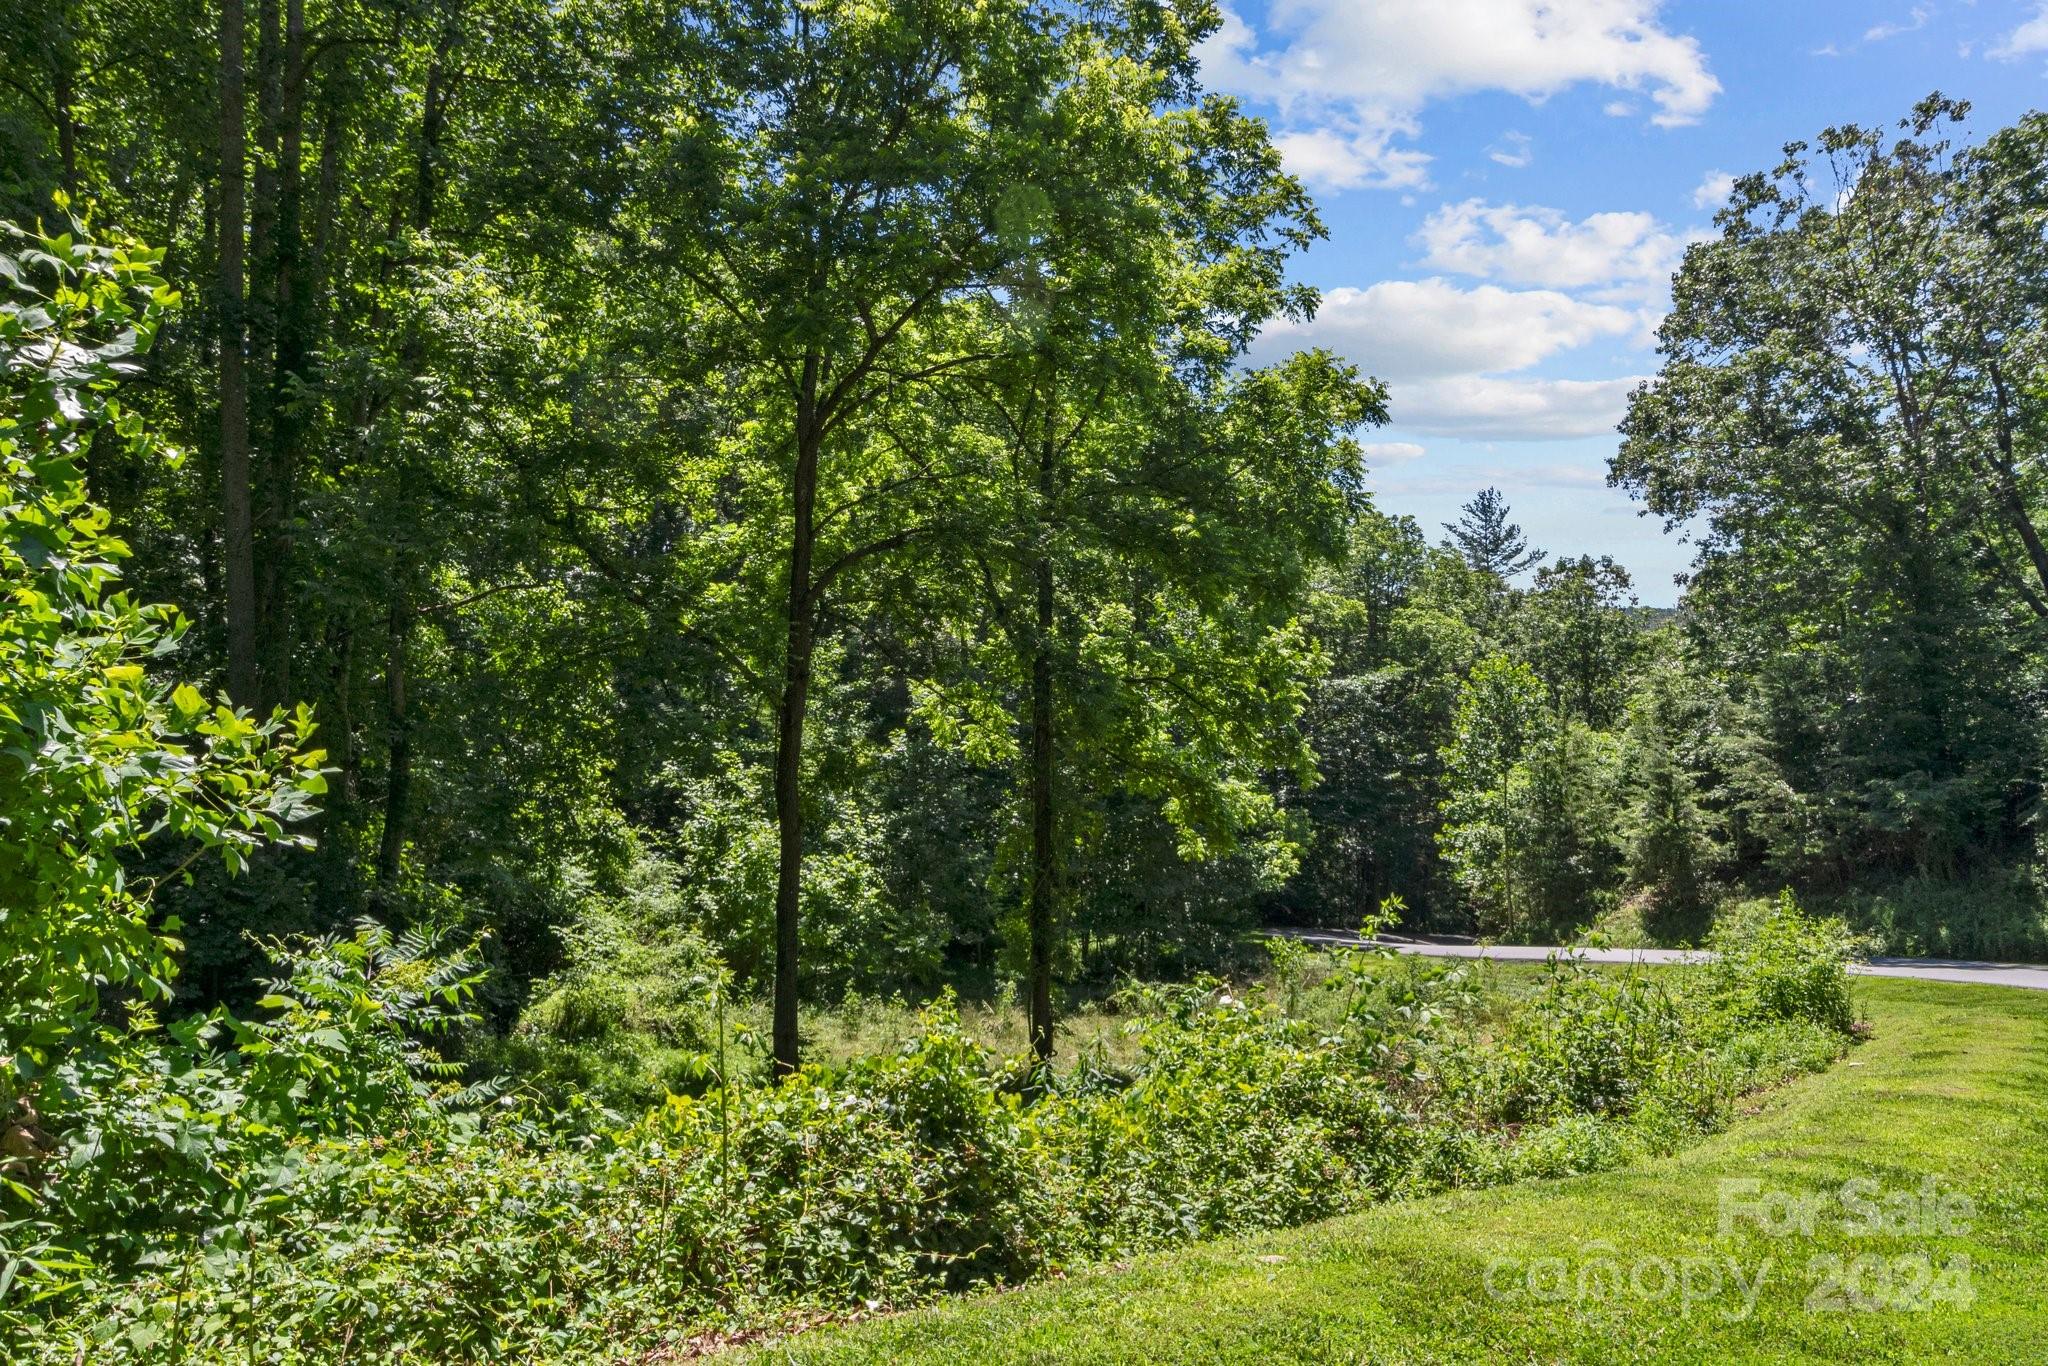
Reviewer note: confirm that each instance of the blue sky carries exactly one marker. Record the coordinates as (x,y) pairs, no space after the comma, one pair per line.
(1508,184)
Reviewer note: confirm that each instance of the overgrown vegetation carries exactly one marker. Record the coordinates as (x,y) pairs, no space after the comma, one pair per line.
(312,1179)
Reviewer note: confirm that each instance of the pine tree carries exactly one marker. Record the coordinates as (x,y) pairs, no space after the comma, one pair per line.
(1488,540)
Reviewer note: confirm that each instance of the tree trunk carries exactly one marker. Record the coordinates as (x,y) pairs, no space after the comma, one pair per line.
(789,738)
(1040,913)
(237,530)
(64,102)
(293,343)
(398,775)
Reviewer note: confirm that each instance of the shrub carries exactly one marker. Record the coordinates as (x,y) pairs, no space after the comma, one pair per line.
(1771,961)
(1239,1119)
(97,756)
(408,1233)
(631,1016)
(1589,1044)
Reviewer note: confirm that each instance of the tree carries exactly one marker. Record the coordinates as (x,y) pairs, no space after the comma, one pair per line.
(97,757)
(1397,622)
(1142,537)
(1671,851)
(1576,630)
(1561,838)
(238,540)
(1847,415)
(833,181)
(1500,716)
(1486,538)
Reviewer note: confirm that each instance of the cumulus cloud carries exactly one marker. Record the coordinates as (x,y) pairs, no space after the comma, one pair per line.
(1515,476)
(2028,38)
(1392,452)
(1349,79)
(1617,255)
(1713,190)
(1451,353)
(1399,54)
(1353,156)
(1488,407)
(1432,329)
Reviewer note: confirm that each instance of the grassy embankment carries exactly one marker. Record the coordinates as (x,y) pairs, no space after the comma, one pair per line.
(1952,1085)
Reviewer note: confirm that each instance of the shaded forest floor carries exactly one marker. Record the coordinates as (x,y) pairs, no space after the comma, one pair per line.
(1952,1088)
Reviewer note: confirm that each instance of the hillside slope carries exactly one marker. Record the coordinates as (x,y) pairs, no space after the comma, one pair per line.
(1632,1264)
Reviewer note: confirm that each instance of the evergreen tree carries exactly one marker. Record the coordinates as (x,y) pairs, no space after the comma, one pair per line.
(1488,540)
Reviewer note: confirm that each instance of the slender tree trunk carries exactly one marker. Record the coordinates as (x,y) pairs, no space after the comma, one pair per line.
(1040,913)
(325,210)
(341,735)
(2016,510)
(259,312)
(398,774)
(64,102)
(293,343)
(237,530)
(789,737)
(398,777)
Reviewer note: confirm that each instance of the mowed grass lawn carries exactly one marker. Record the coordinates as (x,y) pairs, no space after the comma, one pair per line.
(1952,1084)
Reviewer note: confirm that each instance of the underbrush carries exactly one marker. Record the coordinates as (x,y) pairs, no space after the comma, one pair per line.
(224,1192)
(2000,913)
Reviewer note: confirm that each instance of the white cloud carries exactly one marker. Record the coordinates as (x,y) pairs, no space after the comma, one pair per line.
(1450,355)
(1877,33)
(1398,55)
(1618,255)
(1513,150)
(2029,37)
(1619,109)
(1392,452)
(1713,190)
(1353,158)
(1433,329)
(1486,407)
(1516,476)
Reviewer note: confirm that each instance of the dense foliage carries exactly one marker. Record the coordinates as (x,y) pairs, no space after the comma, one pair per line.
(766,505)
(411,1228)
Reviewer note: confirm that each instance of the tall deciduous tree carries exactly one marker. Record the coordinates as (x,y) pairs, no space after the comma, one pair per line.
(832,182)
(1141,538)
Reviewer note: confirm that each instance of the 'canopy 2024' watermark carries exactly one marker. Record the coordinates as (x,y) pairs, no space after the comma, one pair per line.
(1898,1277)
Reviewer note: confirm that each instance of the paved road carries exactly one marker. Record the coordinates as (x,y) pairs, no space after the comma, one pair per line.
(2026,975)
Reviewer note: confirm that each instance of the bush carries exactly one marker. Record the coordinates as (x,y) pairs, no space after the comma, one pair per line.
(1589,1044)
(1771,961)
(1239,1119)
(165,1138)
(2000,913)
(631,1016)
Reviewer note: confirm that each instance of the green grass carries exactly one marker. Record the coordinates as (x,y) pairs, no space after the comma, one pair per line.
(1953,1084)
